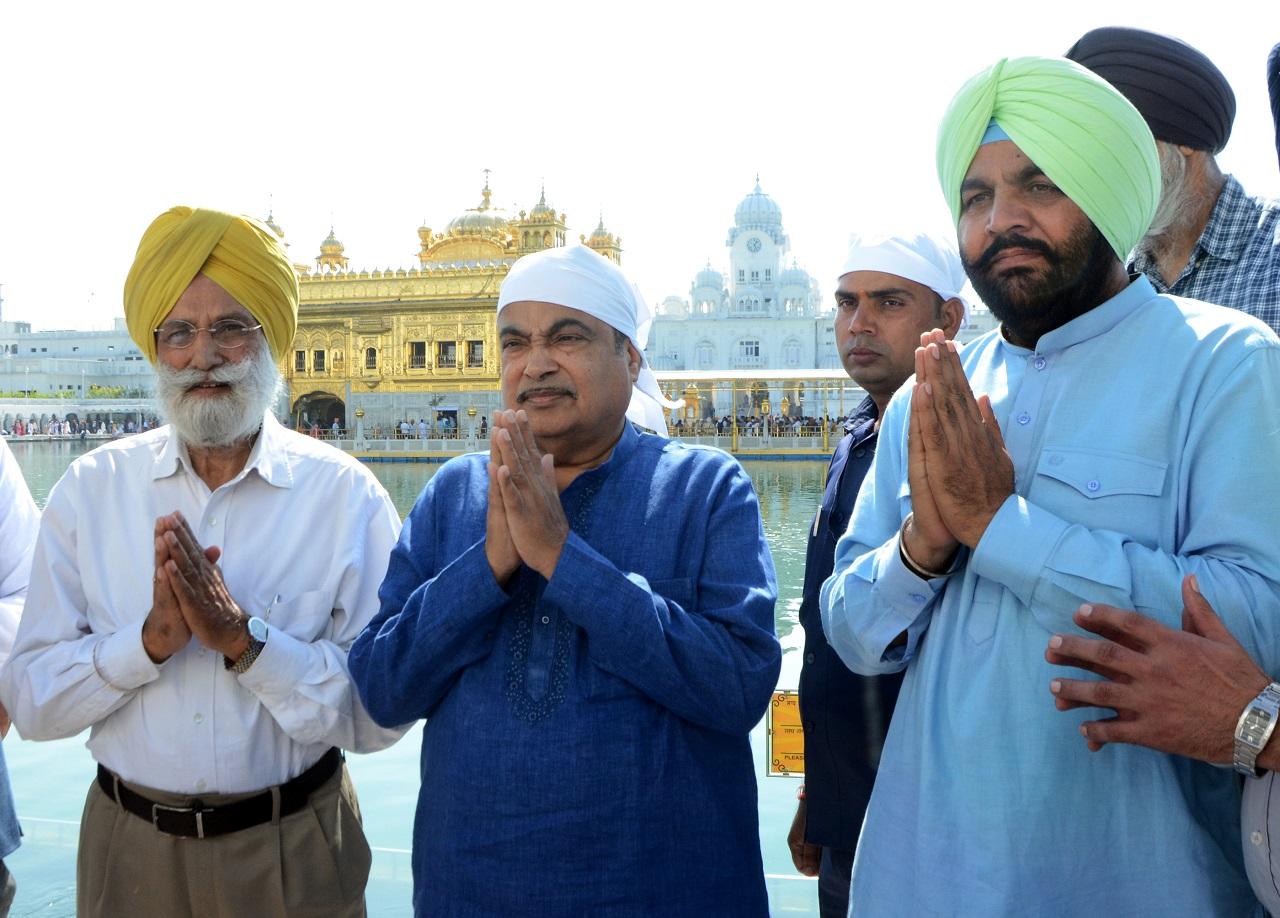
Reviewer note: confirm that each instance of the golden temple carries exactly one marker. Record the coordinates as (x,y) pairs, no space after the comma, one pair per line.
(414,343)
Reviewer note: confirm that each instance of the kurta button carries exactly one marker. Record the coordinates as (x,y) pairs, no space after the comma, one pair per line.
(1256,838)
(809,658)
(1055,460)
(917,597)
(546,619)
(1024,418)
(213,522)
(198,718)
(1093,485)
(1040,363)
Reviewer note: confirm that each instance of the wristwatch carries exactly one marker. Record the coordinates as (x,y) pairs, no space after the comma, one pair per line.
(1254,729)
(258,631)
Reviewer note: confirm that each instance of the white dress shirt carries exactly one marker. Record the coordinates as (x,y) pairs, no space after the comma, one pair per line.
(1260,831)
(19,524)
(305,533)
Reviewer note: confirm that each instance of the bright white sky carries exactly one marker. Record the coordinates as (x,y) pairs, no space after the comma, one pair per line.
(380,115)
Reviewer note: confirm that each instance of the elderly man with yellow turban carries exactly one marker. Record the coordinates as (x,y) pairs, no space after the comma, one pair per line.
(1120,440)
(194,593)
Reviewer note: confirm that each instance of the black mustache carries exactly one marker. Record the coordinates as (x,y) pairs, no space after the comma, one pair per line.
(543,390)
(1014,241)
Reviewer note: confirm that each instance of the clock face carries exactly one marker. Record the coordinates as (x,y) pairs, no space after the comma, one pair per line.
(753,244)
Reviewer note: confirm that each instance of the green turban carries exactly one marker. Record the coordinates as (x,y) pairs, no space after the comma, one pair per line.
(239,254)
(1086,137)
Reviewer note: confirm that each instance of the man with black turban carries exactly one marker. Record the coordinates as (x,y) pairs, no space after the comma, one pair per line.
(1208,239)
(1121,440)
(194,593)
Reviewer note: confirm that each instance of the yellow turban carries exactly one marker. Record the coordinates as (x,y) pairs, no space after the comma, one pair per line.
(1082,132)
(239,254)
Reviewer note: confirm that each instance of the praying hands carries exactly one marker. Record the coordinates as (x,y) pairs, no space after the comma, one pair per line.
(189,597)
(958,468)
(525,522)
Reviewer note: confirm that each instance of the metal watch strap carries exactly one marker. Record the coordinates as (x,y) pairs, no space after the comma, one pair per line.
(1254,728)
(257,629)
(246,659)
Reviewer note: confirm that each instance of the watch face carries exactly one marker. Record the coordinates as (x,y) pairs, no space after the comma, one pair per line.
(753,244)
(257,629)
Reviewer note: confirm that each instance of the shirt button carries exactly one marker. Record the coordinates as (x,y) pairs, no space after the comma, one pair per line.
(859,453)
(213,522)
(546,619)
(1093,485)
(198,718)
(201,785)
(1024,418)
(809,658)
(1256,838)
(917,597)
(1040,363)
(1055,460)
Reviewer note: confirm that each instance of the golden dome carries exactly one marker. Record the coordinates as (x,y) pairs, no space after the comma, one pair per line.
(331,245)
(485,220)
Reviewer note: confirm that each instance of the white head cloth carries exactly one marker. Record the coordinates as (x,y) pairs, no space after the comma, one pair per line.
(577,277)
(918,257)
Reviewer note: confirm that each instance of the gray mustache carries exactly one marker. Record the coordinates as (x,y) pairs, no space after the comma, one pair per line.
(545,390)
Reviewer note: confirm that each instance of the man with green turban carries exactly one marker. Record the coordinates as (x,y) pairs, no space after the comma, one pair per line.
(194,593)
(1121,441)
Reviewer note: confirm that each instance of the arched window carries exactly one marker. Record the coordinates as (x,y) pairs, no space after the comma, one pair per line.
(371,358)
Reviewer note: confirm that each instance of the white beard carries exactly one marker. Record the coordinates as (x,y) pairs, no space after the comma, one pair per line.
(233,414)
(1179,202)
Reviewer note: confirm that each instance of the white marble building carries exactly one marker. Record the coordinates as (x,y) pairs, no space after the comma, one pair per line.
(766,314)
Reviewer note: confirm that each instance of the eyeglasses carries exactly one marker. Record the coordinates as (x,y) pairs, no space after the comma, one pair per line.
(227,334)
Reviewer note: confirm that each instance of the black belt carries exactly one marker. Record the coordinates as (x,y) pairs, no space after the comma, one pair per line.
(199,821)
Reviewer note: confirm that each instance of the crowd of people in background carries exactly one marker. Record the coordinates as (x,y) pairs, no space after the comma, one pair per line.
(74,427)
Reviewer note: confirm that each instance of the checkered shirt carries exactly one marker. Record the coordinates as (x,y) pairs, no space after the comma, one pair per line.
(1236,261)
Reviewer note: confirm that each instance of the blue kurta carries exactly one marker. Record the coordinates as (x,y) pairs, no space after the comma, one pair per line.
(1144,436)
(586,750)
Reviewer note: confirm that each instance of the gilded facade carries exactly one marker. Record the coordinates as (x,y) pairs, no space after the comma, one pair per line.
(414,343)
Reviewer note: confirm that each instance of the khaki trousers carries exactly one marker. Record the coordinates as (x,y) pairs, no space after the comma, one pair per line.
(313,862)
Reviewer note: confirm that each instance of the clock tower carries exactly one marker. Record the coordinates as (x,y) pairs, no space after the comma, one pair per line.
(757,246)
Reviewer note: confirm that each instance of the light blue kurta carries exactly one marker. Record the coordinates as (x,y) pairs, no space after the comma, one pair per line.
(1145,437)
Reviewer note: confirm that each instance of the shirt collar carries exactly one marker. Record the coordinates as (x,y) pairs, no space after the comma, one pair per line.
(269,457)
(1094,323)
(1226,235)
(864,413)
(623,448)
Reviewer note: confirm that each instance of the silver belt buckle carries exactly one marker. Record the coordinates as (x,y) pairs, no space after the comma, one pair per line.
(198,810)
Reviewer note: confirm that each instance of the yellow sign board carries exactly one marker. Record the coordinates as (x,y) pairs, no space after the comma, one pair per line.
(785,735)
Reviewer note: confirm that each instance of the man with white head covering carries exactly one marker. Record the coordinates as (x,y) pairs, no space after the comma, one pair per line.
(1121,440)
(193,595)
(585,619)
(891,290)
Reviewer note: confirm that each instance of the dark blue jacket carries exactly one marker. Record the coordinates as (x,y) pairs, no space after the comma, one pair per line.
(846,716)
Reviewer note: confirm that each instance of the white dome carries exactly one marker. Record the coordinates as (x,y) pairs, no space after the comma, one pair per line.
(794,276)
(758,209)
(709,277)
